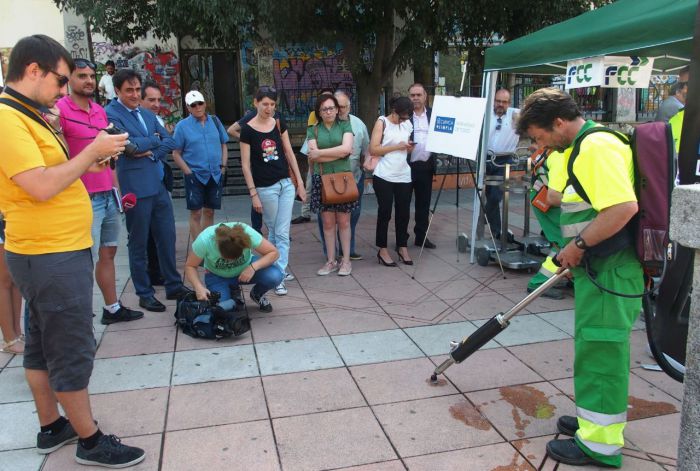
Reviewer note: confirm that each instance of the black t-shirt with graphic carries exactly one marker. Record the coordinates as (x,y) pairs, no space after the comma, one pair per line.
(268,163)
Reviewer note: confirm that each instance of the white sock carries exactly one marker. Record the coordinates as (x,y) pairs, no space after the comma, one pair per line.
(113,308)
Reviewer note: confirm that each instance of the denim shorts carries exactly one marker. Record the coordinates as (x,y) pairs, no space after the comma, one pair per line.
(199,195)
(60,338)
(106,221)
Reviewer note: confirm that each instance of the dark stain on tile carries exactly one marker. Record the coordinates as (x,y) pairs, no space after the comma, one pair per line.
(465,412)
(439,382)
(514,465)
(641,409)
(531,401)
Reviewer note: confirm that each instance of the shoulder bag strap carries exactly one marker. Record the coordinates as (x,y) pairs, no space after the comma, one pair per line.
(23,109)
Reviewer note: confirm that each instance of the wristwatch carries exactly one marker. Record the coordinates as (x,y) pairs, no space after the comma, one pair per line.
(580,243)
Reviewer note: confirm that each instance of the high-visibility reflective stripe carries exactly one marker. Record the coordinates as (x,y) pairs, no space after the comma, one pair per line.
(544,179)
(572,230)
(602,448)
(575,207)
(599,418)
(546,272)
(537,185)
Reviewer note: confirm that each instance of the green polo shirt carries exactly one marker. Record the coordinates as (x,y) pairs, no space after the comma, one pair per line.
(328,138)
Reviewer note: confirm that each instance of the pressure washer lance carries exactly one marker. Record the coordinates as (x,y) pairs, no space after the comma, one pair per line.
(462,350)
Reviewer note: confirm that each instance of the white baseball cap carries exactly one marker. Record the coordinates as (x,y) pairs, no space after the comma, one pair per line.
(193,96)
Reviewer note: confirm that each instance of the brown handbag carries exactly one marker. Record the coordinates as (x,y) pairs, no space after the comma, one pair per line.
(337,188)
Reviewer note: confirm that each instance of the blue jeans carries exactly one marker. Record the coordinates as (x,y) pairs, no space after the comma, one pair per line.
(277,202)
(105,222)
(264,280)
(354,217)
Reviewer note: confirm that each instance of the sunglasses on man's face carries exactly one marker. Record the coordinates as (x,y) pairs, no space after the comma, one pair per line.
(196,104)
(61,79)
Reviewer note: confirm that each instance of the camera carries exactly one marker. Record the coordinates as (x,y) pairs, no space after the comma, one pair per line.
(213,298)
(130,148)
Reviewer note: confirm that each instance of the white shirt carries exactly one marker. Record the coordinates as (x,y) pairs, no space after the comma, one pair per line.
(107,85)
(393,167)
(420,137)
(502,136)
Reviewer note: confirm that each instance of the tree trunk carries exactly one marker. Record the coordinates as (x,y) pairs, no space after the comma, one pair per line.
(368,92)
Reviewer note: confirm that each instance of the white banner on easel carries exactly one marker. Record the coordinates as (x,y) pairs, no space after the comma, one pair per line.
(455,126)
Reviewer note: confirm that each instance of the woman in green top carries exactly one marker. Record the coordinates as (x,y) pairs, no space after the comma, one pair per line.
(330,144)
(227,252)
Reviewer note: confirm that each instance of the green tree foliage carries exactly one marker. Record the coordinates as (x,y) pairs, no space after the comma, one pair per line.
(380,38)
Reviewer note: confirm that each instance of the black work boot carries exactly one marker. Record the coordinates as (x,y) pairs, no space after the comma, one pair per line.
(568,452)
(567,425)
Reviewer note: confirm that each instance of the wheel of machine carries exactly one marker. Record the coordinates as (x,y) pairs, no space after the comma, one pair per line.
(482,256)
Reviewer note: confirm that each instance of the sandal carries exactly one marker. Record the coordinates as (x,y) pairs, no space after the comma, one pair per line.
(14,347)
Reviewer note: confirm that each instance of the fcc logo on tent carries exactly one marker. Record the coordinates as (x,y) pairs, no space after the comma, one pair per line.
(444,124)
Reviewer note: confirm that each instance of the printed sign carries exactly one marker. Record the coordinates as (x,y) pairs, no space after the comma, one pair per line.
(609,72)
(455,126)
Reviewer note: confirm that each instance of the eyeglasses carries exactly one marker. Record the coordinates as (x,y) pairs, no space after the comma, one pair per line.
(61,79)
(499,123)
(196,104)
(341,107)
(80,63)
(328,109)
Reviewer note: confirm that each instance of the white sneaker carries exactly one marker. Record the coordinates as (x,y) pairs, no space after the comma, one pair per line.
(281,290)
(345,269)
(328,268)
(288,277)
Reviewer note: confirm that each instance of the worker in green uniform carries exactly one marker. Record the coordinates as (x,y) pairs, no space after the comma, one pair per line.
(676,123)
(596,245)
(544,162)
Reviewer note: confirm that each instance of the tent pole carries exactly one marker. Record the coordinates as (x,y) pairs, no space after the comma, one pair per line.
(488,85)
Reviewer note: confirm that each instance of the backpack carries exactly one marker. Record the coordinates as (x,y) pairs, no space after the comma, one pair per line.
(205,319)
(654,171)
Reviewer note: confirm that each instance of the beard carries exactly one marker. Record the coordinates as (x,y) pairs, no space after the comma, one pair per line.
(84,93)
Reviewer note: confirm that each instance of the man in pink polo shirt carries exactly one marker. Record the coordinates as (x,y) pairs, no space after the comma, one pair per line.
(78,106)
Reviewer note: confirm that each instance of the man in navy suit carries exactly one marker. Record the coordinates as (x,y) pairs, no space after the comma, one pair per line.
(141,173)
(422,163)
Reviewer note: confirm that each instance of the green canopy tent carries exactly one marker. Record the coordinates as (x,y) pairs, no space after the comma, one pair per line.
(662,29)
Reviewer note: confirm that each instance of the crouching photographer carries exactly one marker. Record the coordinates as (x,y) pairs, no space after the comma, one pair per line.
(227,252)
(47,249)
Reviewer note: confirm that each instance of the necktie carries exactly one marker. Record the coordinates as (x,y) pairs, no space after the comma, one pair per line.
(137,115)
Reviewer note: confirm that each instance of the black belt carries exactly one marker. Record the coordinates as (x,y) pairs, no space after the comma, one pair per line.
(92,195)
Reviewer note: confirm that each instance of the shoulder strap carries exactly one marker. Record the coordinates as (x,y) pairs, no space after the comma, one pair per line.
(572,180)
(23,109)
(279,126)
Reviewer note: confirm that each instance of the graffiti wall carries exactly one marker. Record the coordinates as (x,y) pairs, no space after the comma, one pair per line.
(297,71)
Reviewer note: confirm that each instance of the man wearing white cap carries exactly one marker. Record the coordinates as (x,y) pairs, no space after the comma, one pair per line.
(201,153)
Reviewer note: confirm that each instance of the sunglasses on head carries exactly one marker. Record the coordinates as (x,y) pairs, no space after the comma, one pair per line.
(266,88)
(196,104)
(61,79)
(80,63)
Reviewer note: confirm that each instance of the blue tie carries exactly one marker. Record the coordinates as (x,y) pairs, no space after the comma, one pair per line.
(138,117)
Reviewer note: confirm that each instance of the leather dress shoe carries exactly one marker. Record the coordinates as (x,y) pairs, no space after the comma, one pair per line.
(568,452)
(150,303)
(179,293)
(568,425)
(428,244)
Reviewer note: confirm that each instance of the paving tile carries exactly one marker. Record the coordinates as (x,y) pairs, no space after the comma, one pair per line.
(543,304)
(190,405)
(564,320)
(25,425)
(374,347)
(123,374)
(435,339)
(488,369)
(534,449)
(338,321)
(401,294)
(501,456)
(394,465)
(13,386)
(527,328)
(148,321)
(63,459)
(247,446)
(646,433)
(399,381)
(523,411)
(130,413)
(137,342)
(484,305)
(5,358)
(310,392)
(551,360)
(25,460)
(453,290)
(290,356)
(313,442)
(662,381)
(300,326)
(185,342)
(352,299)
(427,310)
(16,362)
(434,425)
(198,366)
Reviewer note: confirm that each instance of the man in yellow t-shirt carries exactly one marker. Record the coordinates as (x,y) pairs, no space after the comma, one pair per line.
(49,216)
(594,215)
